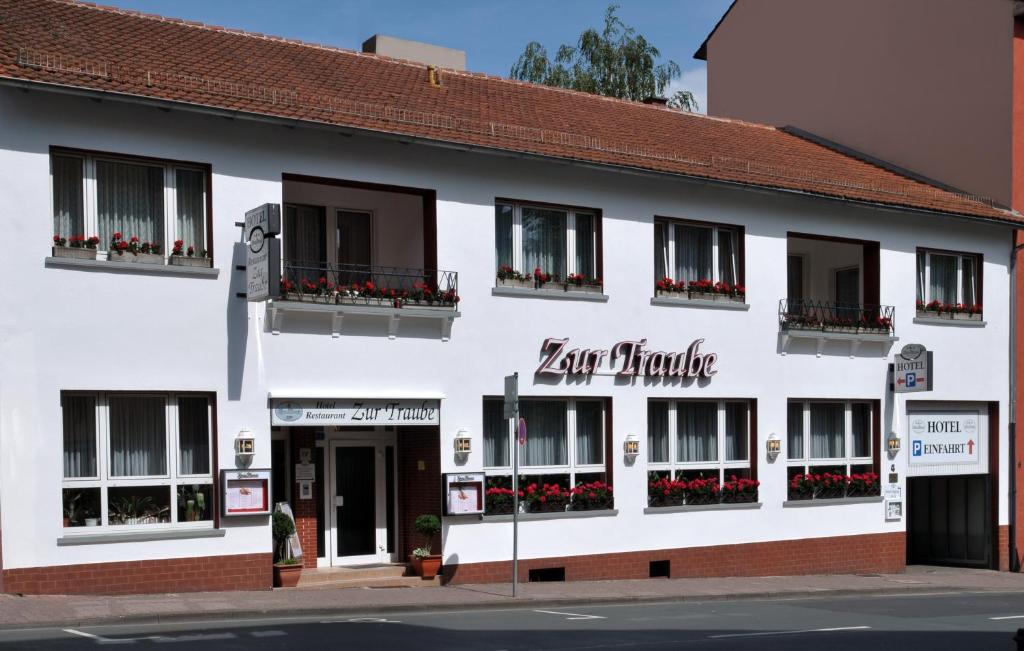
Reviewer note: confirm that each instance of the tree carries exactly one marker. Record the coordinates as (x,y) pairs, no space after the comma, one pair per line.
(617,62)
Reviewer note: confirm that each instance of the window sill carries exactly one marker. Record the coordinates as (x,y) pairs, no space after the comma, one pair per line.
(563,515)
(958,323)
(700,303)
(74,539)
(730,506)
(794,504)
(128,268)
(557,294)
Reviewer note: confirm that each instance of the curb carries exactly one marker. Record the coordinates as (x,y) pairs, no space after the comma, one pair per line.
(499,603)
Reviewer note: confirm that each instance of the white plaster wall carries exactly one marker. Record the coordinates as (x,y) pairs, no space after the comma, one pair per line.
(198,336)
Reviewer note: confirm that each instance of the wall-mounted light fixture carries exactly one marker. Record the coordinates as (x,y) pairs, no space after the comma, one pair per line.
(631,447)
(892,444)
(773,446)
(463,444)
(245,447)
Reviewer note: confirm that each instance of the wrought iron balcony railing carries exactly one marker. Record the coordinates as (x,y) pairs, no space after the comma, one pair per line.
(824,316)
(353,284)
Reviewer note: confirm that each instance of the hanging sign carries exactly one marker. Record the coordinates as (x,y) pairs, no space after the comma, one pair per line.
(912,369)
(355,412)
(944,437)
(626,359)
(263,252)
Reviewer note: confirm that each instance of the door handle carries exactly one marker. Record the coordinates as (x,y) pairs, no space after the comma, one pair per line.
(339,500)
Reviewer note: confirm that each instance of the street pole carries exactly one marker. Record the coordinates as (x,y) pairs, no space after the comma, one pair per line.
(515,492)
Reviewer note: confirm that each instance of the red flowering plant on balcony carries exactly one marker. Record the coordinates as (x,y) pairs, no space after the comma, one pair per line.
(703,491)
(591,496)
(665,491)
(666,284)
(59,241)
(149,247)
(287,286)
(450,297)
(863,485)
(498,500)
(540,277)
(828,485)
(702,286)
(545,498)
(738,490)
(506,272)
(119,246)
(180,250)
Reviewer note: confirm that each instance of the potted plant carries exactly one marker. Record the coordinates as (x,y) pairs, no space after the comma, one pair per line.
(287,569)
(509,277)
(801,487)
(739,490)
(71,510)
(75,246)
(424,562)
(592,496)
(498,500)
(183,256)
(665,287)
(581,283)
(133,250)
(665,491)
(546,498)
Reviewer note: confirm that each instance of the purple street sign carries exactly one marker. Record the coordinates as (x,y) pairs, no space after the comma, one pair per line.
(522,431)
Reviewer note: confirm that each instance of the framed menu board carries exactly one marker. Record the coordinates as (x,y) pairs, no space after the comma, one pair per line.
(245,492)
(464,493)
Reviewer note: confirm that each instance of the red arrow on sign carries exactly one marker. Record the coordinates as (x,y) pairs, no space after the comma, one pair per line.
(900,381)
(970,446)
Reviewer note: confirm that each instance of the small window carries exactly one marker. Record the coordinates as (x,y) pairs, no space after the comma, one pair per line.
(946,280)
(697,257)
(699,438)
(830,438)
(559,243)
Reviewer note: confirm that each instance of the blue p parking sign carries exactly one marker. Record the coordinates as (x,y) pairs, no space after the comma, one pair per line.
(916,448)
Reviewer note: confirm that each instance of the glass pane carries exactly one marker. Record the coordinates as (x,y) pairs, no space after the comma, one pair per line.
(795,428)
(942,286)
(697,431)
(728,256)
(657,432)
(861,429)
(969,279)
(305,245)
(736,432)
(191,205)
(79,416)
(794,278)
(495,435)
(195,503)
(920,276)
(546,440)
(193,436)
(660,251)
(354,238)
(503,234)
(139,505)
(585,242)
(81,507)
(138,436)
(693,253)
(68,214)
(544,241)
(130,201)
(589,432)
(827,430)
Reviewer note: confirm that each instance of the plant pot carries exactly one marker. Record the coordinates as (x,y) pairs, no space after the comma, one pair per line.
(185,261)
(667,293)
(287,575)
(92,522)
(67,522)
(965,316)
(739,498)
(665,500)
(499,509)
(137,258)
(430,566)
(701,499)
(71,252)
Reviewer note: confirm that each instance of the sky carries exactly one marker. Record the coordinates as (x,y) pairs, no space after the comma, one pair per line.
(493,34)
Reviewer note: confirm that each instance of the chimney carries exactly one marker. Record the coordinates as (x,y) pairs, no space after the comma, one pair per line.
(654,100)
(400,48)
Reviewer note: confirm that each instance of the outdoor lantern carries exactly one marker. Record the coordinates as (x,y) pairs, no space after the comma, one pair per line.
(892,442)
(463,444)
(245,446)
(631,447)
(773,446)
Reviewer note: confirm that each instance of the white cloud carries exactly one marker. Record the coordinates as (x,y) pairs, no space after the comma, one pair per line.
(694,80)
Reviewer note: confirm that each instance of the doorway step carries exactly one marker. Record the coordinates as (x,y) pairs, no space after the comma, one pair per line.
(364,576)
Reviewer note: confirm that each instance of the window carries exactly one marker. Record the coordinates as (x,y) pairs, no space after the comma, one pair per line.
(565,439)
(157,202)
(949,278)
(699,438)
(558,241)
(691,251)
(136,459)
(830,436)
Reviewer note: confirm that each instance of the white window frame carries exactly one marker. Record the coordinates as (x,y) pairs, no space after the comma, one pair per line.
(669,237)
(571,468)
(805,460)
(570,235)
(672,466)
(105,480)
(928,253)
(90,207)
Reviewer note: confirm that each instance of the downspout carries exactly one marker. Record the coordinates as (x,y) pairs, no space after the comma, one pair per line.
(1014,559)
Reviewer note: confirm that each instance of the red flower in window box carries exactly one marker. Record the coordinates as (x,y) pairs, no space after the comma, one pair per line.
(591,496)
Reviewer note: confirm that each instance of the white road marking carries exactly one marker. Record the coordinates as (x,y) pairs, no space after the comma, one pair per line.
(570,616)
(83,634)
(996,619)
(267,633)
(360,620)
(807,630)
(108,640)
(199,637)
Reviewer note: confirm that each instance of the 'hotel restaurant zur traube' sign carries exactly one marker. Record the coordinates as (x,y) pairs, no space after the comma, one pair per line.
(355,412)
(263,252)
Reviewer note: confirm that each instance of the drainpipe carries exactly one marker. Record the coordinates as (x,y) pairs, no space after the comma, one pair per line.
(1014,560)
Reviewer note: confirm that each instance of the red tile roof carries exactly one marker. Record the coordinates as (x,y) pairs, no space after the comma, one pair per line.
(104,49)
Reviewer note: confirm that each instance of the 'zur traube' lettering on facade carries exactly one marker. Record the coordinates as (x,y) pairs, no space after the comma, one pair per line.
(712,329)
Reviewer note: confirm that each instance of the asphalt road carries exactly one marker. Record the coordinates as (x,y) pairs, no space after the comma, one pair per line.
(948,621)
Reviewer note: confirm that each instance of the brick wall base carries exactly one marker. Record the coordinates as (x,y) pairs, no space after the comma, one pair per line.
(1003,547)
(837,555)
(209,573)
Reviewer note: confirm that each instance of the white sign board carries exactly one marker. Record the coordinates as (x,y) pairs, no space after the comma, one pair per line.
(912,369)
(263,252)
(944,437)
(464,493)
(354,412)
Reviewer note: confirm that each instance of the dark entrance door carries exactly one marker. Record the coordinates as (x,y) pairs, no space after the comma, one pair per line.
(355,501)
(949,520)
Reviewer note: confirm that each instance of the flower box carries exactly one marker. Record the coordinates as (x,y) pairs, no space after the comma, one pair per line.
(74,252)
(966,316)
(185,261)
(583,287)
(655,500)
(137,258)
(668,293)
(549,506)
(741,497)
(515,282)
(700,499)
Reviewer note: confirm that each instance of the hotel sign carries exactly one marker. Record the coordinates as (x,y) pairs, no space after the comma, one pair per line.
(944,437)
(626,359)
(263,252)
(355,412)
(913,369)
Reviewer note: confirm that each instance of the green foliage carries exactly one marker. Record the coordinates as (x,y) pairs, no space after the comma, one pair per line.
(616,62)
(282,529)
(429,526)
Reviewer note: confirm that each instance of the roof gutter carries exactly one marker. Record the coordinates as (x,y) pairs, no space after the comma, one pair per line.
(168,105)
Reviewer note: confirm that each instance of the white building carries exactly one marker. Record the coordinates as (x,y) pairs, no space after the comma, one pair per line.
(127,379)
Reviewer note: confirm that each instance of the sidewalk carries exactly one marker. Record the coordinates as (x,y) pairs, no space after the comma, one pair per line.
(34,611)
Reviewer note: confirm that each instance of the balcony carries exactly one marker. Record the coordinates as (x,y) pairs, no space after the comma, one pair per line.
(822,322)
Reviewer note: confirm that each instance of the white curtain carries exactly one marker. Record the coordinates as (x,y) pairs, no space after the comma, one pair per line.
(728,270)
(585,245)
(544,241)
(697,431)
(693,253)
(138,436)
(657,432)
(795,428)
(193,436)
(79,415)
(589,432)
(191,208)
(130,200)
(942,284)
(861,429)
(736,435)
(495,435)
(969,280)
(546,440)
(921,295)
(827,430)
(67,196)
(661,264)
(503,234)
